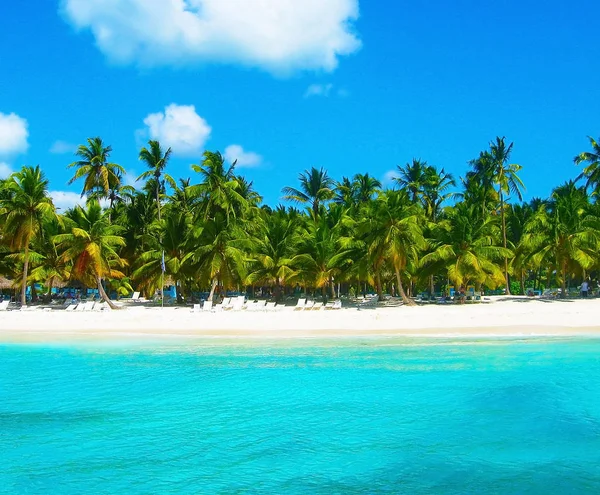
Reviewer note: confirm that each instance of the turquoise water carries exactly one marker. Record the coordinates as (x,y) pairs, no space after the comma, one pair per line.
(372,417)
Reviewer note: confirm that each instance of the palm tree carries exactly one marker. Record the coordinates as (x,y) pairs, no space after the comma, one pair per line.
(173,231)
(219,189)
(435,189)
(24,209)
(91,243)
(564,234)
(273,249)
(316,187)
(392,231)
(49,267)
(592,158)
(219,254)
(364,188)
(321,249)
(98,173)
(412,177)
(156,161)
(507,180)
(465,246)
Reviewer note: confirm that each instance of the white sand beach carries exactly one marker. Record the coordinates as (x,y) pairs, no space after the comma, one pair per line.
(500,317)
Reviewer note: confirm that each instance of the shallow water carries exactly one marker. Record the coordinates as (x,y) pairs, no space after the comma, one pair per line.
(374,417)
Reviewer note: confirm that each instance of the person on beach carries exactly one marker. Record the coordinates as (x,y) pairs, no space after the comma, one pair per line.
(584,288)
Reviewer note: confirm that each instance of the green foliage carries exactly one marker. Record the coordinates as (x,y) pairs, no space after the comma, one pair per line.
(215,232)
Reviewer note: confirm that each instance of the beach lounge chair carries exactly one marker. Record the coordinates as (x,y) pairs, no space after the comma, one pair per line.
(300,305)
(309,305)
(238,303)
(71,307)
(4,305)
(207,306)
(271,306)
(100,306)
(196,308)
(89,306)
(259,305)
(224,304)
(80,306)
(318,306)
(135,297)
(337,304)
(369,303)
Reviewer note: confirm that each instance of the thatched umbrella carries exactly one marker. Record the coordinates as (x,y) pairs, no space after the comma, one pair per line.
(5,283)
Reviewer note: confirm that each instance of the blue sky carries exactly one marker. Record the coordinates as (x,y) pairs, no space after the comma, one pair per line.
(351,86)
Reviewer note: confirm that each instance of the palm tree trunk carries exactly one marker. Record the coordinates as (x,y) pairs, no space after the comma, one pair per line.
(504,241)
(24,281)
(431,285)
(523,284)
(378,285)
(212,289)
(405,299)
(158,198)
(103,294)
(563,283)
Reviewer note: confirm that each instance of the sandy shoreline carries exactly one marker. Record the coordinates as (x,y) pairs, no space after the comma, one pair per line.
(503,317)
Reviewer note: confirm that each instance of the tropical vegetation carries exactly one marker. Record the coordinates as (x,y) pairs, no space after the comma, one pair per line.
(426,231)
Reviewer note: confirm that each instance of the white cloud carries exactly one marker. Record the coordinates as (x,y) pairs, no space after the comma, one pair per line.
(5,170)
(246,159)
(388,178)
(13,134)
(66,199)
(280,36)
(63,200)
(318,90)
(178,127)
(129,179)
(62,147)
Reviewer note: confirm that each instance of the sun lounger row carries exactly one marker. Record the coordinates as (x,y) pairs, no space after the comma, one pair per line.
(309,305)
(239,304)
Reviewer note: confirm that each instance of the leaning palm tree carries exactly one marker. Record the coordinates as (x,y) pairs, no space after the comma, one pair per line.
(316,187)
(592,158)
(91,244)
(23,211)
(506,178)
(93,166)
(156,160)
(392,231)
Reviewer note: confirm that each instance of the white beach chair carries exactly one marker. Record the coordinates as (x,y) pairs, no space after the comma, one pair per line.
(260,305)
(271,306)
(80,306)
(71,307)
(100,306)
(318,306)
(89,306)
(369,303)
(337,304)
(196,308)
(238,303)
(223,304)
(300,305)
(4,305)
(207,306)
(309,305)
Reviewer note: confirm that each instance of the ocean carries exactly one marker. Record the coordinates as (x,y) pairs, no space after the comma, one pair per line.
(358,416)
